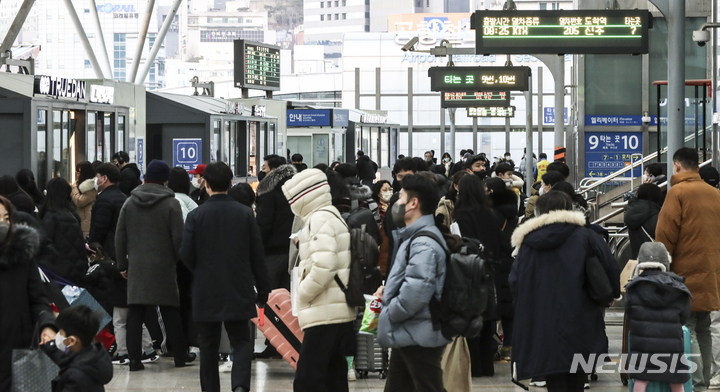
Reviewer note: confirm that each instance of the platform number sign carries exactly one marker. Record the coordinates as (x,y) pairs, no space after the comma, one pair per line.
(187,153)
(608,152)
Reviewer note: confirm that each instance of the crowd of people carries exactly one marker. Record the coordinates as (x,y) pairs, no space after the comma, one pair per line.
(174,259)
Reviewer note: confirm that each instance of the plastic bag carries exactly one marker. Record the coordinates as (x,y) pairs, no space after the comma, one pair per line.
(373,306)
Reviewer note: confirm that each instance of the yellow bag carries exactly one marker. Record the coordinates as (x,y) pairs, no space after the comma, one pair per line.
(456,366)
(627,274)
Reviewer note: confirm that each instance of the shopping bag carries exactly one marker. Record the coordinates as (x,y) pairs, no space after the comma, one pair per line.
(371,315)
(627,274)
(294,283)
(456,366)
(53,292)
(32,369)
(79,296)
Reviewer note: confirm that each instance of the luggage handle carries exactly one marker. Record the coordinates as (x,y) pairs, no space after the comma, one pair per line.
(261,316)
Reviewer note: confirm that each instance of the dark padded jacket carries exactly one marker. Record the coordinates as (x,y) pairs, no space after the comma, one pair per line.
(64,231)
(129,178)
(658,304)
(22,202)
(366,168)
(641,214)
(105,213)
(274,216)
(87,370)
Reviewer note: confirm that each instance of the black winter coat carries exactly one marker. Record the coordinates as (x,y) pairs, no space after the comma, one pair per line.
(555,318)
(104,282)
(105,214)
(23,302)
(658,305)
(505,204)
(485,225)
(22,202)
(199,196)
(223,249)
(389,227)
(366,168)
(46,255)
(63,229)
(641,214)
(274,216)
(87,370)
(129,178)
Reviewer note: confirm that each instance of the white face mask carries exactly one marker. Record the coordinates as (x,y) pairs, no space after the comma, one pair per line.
(59,342)
(196,183)
(386,196)
(446,160)
(542,190)
(95,184)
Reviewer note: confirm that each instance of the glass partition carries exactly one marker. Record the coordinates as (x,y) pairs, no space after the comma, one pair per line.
(215,142)
(271,139)
(252,147)
(41,149)
(263,133)
(108,149)
(121,133)
(231,145)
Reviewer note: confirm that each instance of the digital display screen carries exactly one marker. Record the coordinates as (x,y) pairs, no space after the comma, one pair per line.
(257,65)
(467,99)
(491,112)
(562,32)
(473,79)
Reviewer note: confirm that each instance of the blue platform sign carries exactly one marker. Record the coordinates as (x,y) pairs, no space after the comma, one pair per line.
(623,121)
(187,153)
(549,115)
(141,156)
(608,152)
(309,118)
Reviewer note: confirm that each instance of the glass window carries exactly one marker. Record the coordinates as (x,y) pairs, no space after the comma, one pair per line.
(322,4)
(385,148)
(91,142)
(119,56)
(263,128)
(215,142)
(61,144)
(337,3)
(329,4)
(61,39)
(344,16)
(271,139)
(228,147)
(322,17)
(121,134)
(61,64)
(374,138)
(366,141)
(48,14)
(344,3)
(336,17)
(41,149)
(108,131)
(87,64)
(252,144)
(48,38)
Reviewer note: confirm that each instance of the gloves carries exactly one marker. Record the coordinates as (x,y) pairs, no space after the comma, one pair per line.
(261,300)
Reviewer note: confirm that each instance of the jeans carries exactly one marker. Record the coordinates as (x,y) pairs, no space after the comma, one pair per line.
(699,326)
(415,369)
(242,351)
(173,328)
(120,316)
(322,366)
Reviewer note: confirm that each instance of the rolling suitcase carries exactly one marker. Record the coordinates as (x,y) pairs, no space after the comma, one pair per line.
(280,327)
(371,357)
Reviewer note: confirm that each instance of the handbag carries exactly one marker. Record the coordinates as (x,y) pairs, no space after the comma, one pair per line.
(456,366)
(79,296)
(596,279)
(627,274)
(32,369)
(53,292)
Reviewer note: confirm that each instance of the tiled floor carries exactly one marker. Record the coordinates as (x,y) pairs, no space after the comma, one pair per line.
(277,376)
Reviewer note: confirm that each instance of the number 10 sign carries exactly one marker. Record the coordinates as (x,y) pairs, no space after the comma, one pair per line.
(187,153)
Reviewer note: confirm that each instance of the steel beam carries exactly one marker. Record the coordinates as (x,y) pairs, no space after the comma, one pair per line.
(84,39)
(132,75)
(103,50)
(140,79)
(528,138)
(16,25)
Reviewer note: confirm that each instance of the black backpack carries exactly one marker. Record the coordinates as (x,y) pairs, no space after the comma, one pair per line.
(365,275)
(468,292)
(359,216)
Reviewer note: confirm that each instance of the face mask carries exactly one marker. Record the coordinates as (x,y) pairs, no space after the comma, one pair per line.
(95,184)
(385,196)
(196,183)
(508,182)
(59,342)
(446,160)
(4,231)
(542,190)
(398,215)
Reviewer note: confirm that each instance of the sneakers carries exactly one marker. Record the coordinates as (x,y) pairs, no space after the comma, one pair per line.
(351,375)
(538,383)
(587,385)
(715,382)
(120,359)
(152,356)
(226,367)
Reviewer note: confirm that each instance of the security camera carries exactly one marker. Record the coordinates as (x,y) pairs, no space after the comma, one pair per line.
(701,37)
(410,45)
(646,119)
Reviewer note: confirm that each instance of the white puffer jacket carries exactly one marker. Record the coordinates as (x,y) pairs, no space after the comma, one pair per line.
(324,251)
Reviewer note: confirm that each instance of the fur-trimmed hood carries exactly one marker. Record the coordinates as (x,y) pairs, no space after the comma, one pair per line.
(275,179)
(23,248)
(359,192)
(570,217)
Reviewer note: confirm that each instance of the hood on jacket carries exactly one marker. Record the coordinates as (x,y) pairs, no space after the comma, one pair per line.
(639,211)
(686,176)
(92,361)
(557,227)
(505,202)
(147,195)
(658,289)
(132,167)
(275,179)
(307,192)
(359,192)
(24,246)
(87,185)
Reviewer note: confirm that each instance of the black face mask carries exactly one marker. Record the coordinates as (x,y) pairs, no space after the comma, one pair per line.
(398,215)
(396,186)
(261,175)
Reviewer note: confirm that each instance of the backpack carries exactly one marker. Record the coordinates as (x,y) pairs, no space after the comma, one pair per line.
(357,217)
(365,275)
(468,294)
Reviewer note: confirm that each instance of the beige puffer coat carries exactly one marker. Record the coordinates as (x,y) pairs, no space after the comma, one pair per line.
(324,251)
(84,197)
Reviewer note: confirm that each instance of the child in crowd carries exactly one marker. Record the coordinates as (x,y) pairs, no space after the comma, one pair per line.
(84,365)
(658,305)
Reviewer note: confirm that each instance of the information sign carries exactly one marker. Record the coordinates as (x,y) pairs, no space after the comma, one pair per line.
(465,99)
(608,152)
(308,118)
(479,78)
(257,65)
(187,153)
(491,112)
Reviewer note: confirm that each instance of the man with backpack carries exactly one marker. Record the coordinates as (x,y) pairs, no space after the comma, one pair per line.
(418,276)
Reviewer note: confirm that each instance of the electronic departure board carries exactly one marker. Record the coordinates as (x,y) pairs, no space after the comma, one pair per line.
(257,65)
(491,112)
(473,79)
(562,32)
(468,99)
